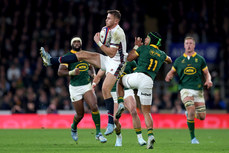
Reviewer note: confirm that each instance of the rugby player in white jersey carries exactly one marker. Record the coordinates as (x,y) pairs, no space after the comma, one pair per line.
(113,63)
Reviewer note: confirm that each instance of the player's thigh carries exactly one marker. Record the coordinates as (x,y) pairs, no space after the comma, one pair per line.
(90,57)
(187,97)
(77,92)
(137,81)
(109,65)
(131,81)
(91,100)
(108,82)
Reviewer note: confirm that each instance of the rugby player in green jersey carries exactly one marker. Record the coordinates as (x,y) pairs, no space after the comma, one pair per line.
(150,59)
(80,90)
(191,68)
(130,104)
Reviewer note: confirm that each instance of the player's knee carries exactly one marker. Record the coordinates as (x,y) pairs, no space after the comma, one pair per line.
(106,90)
(202,117)
(133,112)
(201,111)
(191,114)
(94,108)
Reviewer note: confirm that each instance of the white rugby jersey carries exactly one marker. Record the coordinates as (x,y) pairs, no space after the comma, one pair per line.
(118,40)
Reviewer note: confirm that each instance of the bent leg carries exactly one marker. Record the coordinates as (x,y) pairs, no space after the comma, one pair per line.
(200,110)
(90,57)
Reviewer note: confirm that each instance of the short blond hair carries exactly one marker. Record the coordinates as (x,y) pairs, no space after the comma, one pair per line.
(190,37)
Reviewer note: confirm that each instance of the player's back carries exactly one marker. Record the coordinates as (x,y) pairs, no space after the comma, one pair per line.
(150,60)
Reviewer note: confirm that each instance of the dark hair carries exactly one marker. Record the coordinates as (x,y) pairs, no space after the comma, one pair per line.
(155,38)
(116,13)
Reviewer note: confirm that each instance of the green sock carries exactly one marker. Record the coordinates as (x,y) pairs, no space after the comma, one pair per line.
(74,124)
(96,119)
(138,131)
(150,132)
(120,100)
(191,126)
(117,131)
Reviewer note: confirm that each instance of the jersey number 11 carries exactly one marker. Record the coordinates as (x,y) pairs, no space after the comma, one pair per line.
(153,64)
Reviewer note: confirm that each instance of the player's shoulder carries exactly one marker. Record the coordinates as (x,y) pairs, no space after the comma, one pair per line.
(118,31)
(199,56)
(143,47)
(68,53)
(161,52)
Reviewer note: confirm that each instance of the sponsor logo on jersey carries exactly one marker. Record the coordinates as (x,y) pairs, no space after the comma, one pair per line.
(196,60)
(189,70)
(82,66)
(154,53)
(145,94)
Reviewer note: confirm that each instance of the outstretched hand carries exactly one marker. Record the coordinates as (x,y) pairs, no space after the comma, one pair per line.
(138,41)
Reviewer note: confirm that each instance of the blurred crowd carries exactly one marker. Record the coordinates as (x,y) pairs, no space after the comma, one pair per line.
(26,86)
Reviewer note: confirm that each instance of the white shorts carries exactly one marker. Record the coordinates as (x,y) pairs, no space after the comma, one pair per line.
(108,64)
(77,92)
(197,94)
(143,83)
(127,93)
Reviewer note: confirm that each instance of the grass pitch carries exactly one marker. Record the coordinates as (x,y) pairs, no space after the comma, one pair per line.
(60,141)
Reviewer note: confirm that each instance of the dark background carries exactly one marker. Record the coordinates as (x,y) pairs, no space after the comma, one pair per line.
(25,25)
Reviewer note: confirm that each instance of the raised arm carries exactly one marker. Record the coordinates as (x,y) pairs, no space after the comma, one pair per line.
(109,51)
(133,54)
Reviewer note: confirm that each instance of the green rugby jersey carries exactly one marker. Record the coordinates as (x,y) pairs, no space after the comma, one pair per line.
(190,71)
(150,59)
(130,67)
(83,78)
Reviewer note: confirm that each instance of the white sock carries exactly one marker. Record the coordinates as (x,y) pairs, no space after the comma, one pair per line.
(139,136)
